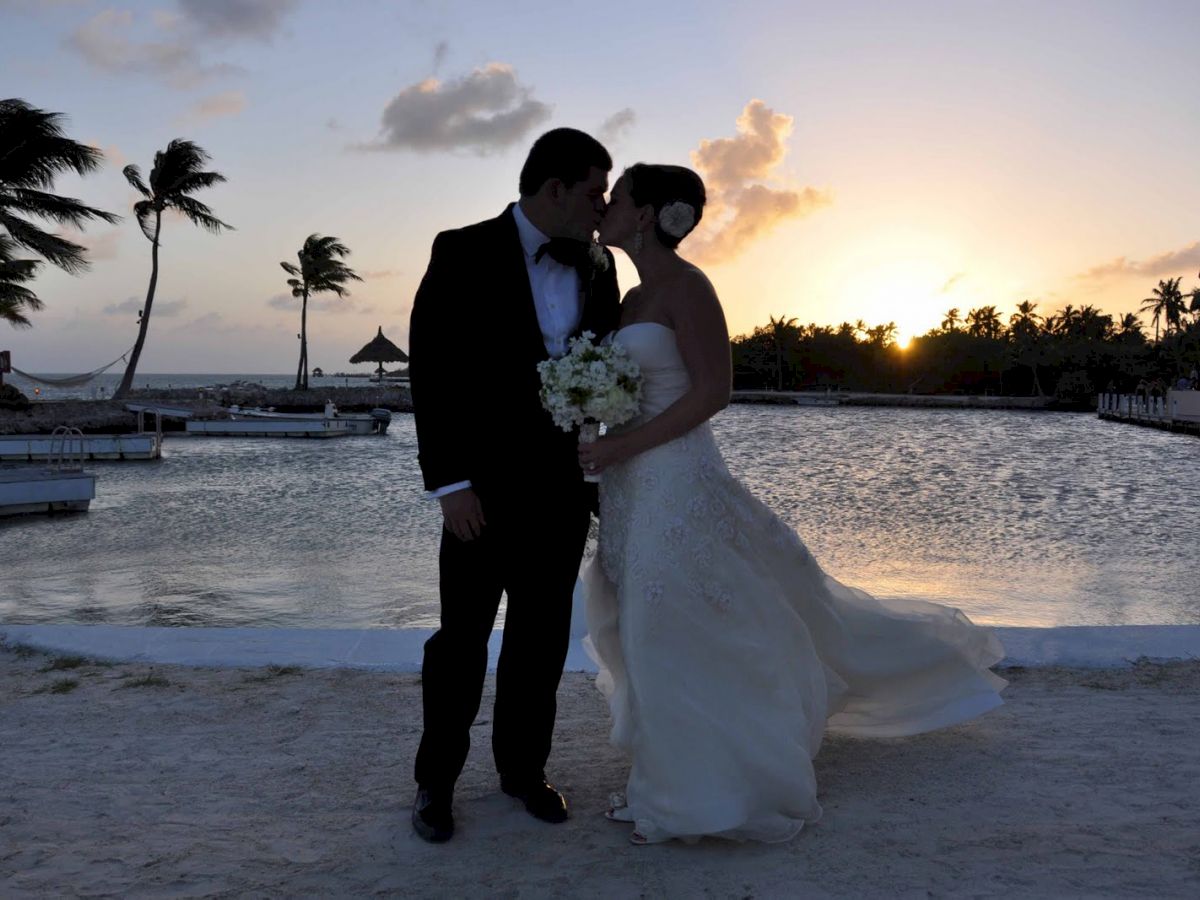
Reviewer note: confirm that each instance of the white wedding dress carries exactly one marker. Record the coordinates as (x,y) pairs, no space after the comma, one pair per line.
(725,651)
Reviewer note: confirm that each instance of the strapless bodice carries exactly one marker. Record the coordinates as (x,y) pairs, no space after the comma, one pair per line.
(664,377)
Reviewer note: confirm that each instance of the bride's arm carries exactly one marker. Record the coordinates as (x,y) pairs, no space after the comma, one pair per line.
(703,340)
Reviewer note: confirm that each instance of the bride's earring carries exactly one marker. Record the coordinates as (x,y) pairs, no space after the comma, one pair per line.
(638,242)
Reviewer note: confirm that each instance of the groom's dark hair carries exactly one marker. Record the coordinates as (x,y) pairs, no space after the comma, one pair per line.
(564,153)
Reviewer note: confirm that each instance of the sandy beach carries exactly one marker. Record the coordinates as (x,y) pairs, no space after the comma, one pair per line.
(134,780)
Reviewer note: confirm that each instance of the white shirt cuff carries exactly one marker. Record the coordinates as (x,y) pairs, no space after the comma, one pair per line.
(448,489)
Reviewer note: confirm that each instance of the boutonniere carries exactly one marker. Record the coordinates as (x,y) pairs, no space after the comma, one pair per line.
(597,256)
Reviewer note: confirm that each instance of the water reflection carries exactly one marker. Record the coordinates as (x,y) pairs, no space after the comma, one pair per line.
(1017,518)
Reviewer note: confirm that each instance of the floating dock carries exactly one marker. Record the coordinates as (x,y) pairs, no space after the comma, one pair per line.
(36,490)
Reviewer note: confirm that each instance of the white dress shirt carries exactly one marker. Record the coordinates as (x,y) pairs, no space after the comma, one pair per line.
(556,298)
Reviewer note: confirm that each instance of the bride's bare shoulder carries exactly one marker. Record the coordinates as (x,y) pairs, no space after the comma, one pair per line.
(692,287)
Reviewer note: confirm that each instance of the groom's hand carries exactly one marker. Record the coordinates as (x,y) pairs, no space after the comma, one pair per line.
(463,514)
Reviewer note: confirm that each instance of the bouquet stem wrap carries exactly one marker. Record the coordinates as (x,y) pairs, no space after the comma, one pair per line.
(589,432)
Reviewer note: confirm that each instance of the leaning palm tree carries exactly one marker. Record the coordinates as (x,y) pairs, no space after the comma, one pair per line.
(177,173)
(15,298)
(33,152)
(1165,302)
(321,270)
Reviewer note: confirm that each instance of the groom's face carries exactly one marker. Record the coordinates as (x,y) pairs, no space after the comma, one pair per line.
(582,205)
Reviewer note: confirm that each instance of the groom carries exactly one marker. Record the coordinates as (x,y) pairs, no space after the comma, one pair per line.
(498,298)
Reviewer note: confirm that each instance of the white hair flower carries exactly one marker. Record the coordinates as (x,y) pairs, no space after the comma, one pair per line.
(677,218)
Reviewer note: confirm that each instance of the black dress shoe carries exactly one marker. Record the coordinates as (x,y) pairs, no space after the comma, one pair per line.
(431,816)
(540,798)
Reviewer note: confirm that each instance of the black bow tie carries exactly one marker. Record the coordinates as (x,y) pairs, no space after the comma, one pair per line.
(565,251)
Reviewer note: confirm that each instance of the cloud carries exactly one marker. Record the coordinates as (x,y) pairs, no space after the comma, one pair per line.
(951,282)
(739,172)
(615,127)
(259,19)
(162,309)
(226,103)
(382,273)
(1173,262)
(105,41)
(169,44)
(484,111)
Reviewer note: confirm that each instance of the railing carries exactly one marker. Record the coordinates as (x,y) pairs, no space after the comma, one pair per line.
(1177,406)
(64,457)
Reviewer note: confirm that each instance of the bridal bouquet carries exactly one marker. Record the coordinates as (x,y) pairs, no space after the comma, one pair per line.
(590,385)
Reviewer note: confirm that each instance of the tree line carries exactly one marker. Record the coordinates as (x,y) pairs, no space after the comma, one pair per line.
(1071,353)
(34,150)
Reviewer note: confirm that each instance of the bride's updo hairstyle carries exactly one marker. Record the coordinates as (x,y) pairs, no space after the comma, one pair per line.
(666,188)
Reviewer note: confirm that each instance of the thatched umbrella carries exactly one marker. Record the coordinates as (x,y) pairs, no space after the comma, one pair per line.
(380,350)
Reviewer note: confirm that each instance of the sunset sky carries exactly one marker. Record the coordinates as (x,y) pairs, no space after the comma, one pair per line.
(878,161)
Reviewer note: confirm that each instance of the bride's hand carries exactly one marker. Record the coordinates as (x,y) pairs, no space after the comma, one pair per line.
(607,451)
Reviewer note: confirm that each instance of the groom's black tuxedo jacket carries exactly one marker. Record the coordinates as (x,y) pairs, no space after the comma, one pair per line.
(474,346)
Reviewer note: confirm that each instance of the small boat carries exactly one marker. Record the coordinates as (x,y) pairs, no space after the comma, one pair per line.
(268,423)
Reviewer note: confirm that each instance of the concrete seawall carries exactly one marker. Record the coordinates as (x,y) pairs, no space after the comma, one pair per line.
(111,417)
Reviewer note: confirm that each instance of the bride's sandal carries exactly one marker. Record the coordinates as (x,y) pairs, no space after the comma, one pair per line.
(618,810)
(638,839)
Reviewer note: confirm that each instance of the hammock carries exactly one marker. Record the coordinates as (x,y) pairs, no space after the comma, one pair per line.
(71,380)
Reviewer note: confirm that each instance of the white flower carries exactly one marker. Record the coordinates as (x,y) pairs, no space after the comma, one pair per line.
(677,218)
(598,257)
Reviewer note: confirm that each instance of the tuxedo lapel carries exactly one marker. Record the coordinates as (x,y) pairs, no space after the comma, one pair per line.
(527,331)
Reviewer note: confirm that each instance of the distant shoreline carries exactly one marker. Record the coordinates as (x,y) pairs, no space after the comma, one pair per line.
(917,401)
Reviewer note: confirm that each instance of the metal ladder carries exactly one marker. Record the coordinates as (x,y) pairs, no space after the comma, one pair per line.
(64,457)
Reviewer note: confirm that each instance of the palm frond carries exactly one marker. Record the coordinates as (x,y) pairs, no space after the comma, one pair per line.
(134,176)
(198,214)
(190,182)
(65,254)
(34,149)
(291,270)
(64,210)
(144,211)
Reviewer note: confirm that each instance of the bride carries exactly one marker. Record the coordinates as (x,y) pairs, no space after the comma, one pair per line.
(724,650)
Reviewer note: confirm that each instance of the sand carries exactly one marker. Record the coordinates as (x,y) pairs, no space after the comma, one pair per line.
(262,782)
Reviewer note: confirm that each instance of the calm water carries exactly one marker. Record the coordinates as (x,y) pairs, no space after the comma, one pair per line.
(1016,518)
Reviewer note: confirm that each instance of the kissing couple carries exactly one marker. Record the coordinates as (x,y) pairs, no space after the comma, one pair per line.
(724,650)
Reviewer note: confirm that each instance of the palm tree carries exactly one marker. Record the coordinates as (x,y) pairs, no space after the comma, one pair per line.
(779,329)
(951,320)
(33,151)
(15,298)
(1165,302)
(177,173)
(1025,327)
(985,322)
(321,270)
(1130,327)
(1025,320)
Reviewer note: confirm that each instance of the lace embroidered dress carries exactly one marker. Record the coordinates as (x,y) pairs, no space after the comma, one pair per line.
(725,651)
